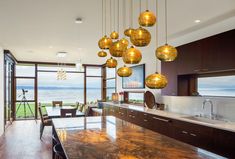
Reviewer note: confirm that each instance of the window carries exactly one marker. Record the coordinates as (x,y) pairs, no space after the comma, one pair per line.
(69,91)
(93,77)
(217,86)
(25,70)
(136,98)
(109,83)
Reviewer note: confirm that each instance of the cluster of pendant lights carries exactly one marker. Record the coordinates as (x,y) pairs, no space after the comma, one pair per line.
(139,37)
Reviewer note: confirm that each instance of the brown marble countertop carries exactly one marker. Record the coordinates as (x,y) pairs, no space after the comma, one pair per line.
(112,138)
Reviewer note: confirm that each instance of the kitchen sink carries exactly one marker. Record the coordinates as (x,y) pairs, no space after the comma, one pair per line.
(205,120)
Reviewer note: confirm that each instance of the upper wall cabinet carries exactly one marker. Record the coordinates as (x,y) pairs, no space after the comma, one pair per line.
(189,59)
(212,54)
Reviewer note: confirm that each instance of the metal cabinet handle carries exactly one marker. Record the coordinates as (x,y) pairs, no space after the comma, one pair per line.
(197,70)
(145,114)
(133,116)
(193,134)
(164,120)
(129,115)
(204,69)
(132,111)
(184,132)
(145,120)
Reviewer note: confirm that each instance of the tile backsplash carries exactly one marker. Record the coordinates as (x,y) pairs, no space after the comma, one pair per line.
(223,107)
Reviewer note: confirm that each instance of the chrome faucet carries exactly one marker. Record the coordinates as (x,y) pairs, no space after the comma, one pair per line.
(203,107)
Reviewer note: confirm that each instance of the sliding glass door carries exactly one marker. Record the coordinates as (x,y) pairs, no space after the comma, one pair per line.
(8,88)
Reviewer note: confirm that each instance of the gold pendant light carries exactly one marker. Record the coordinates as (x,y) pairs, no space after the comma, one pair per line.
(114,35)
(105,42)
(132,56)
(124,41)
(111,63)
(102,53)
(140,37)
(117,49)
(147,19)
(156,81)
(166,52)
(124,71)
(128,32)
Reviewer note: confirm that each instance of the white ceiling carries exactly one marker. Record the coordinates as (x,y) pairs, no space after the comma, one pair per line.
(29,28)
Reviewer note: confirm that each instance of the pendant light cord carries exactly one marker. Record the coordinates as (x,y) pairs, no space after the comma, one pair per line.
(114,15)
(110,6)
(156,25)
(147,5)
(118,16)
(124,14)
(102,17)
(166,19)
(140,6)
(131,14)
(105,16)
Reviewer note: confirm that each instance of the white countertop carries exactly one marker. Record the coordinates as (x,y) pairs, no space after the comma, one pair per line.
(229,126)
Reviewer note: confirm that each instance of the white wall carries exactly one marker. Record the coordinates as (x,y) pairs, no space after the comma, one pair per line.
(223,107)
(1,92)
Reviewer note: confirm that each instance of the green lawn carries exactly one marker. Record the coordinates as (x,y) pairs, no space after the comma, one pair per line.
(21,115)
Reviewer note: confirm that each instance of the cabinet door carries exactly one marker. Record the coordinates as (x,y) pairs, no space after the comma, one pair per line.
(169,70)
(224,143)
(161,125)
(196,135)
(144,120)
(189,58)
(218,52)
(132,116)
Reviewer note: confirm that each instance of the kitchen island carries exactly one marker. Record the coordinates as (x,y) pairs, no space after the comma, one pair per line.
(107,137)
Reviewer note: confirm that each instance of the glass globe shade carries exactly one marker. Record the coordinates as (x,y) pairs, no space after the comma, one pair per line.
(111,63)
(105,42)
(156,81)
(114,35)
(140,37)
(147,19)
(124,71)
(132,56)
(102,54)
(128,32)
(166,53)
(124,41)
(117,49)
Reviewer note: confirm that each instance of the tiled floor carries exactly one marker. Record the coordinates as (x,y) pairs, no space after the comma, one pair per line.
(21,141)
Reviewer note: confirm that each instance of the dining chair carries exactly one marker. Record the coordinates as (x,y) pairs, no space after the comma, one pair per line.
(77,105)
(58,151)
(45,115)
(57,103)
(68,112)
(44,122)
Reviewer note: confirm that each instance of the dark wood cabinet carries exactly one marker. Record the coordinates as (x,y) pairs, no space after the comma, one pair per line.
(224,143)
(189,58)
(169,69)
(208,138)
(193,134)
(209,55)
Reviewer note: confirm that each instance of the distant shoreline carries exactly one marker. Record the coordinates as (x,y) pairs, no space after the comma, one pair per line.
(51,88)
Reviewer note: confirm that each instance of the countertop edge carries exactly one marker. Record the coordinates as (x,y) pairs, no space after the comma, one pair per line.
(176,116)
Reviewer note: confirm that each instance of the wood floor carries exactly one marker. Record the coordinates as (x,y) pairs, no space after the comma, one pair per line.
(21,141)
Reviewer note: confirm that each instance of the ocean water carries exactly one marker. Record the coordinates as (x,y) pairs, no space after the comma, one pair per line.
(68,95)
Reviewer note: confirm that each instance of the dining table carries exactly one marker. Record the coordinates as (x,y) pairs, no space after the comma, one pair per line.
(54,112)
(108,137)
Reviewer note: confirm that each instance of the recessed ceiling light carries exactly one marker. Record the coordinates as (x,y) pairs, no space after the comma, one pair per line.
(197,21)
(61,54)
(78,21)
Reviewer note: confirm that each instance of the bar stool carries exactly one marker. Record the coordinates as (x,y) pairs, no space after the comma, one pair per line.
(58,151)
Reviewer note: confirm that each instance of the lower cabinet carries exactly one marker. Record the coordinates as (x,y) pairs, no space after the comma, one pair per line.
(215,140)
(193,134)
